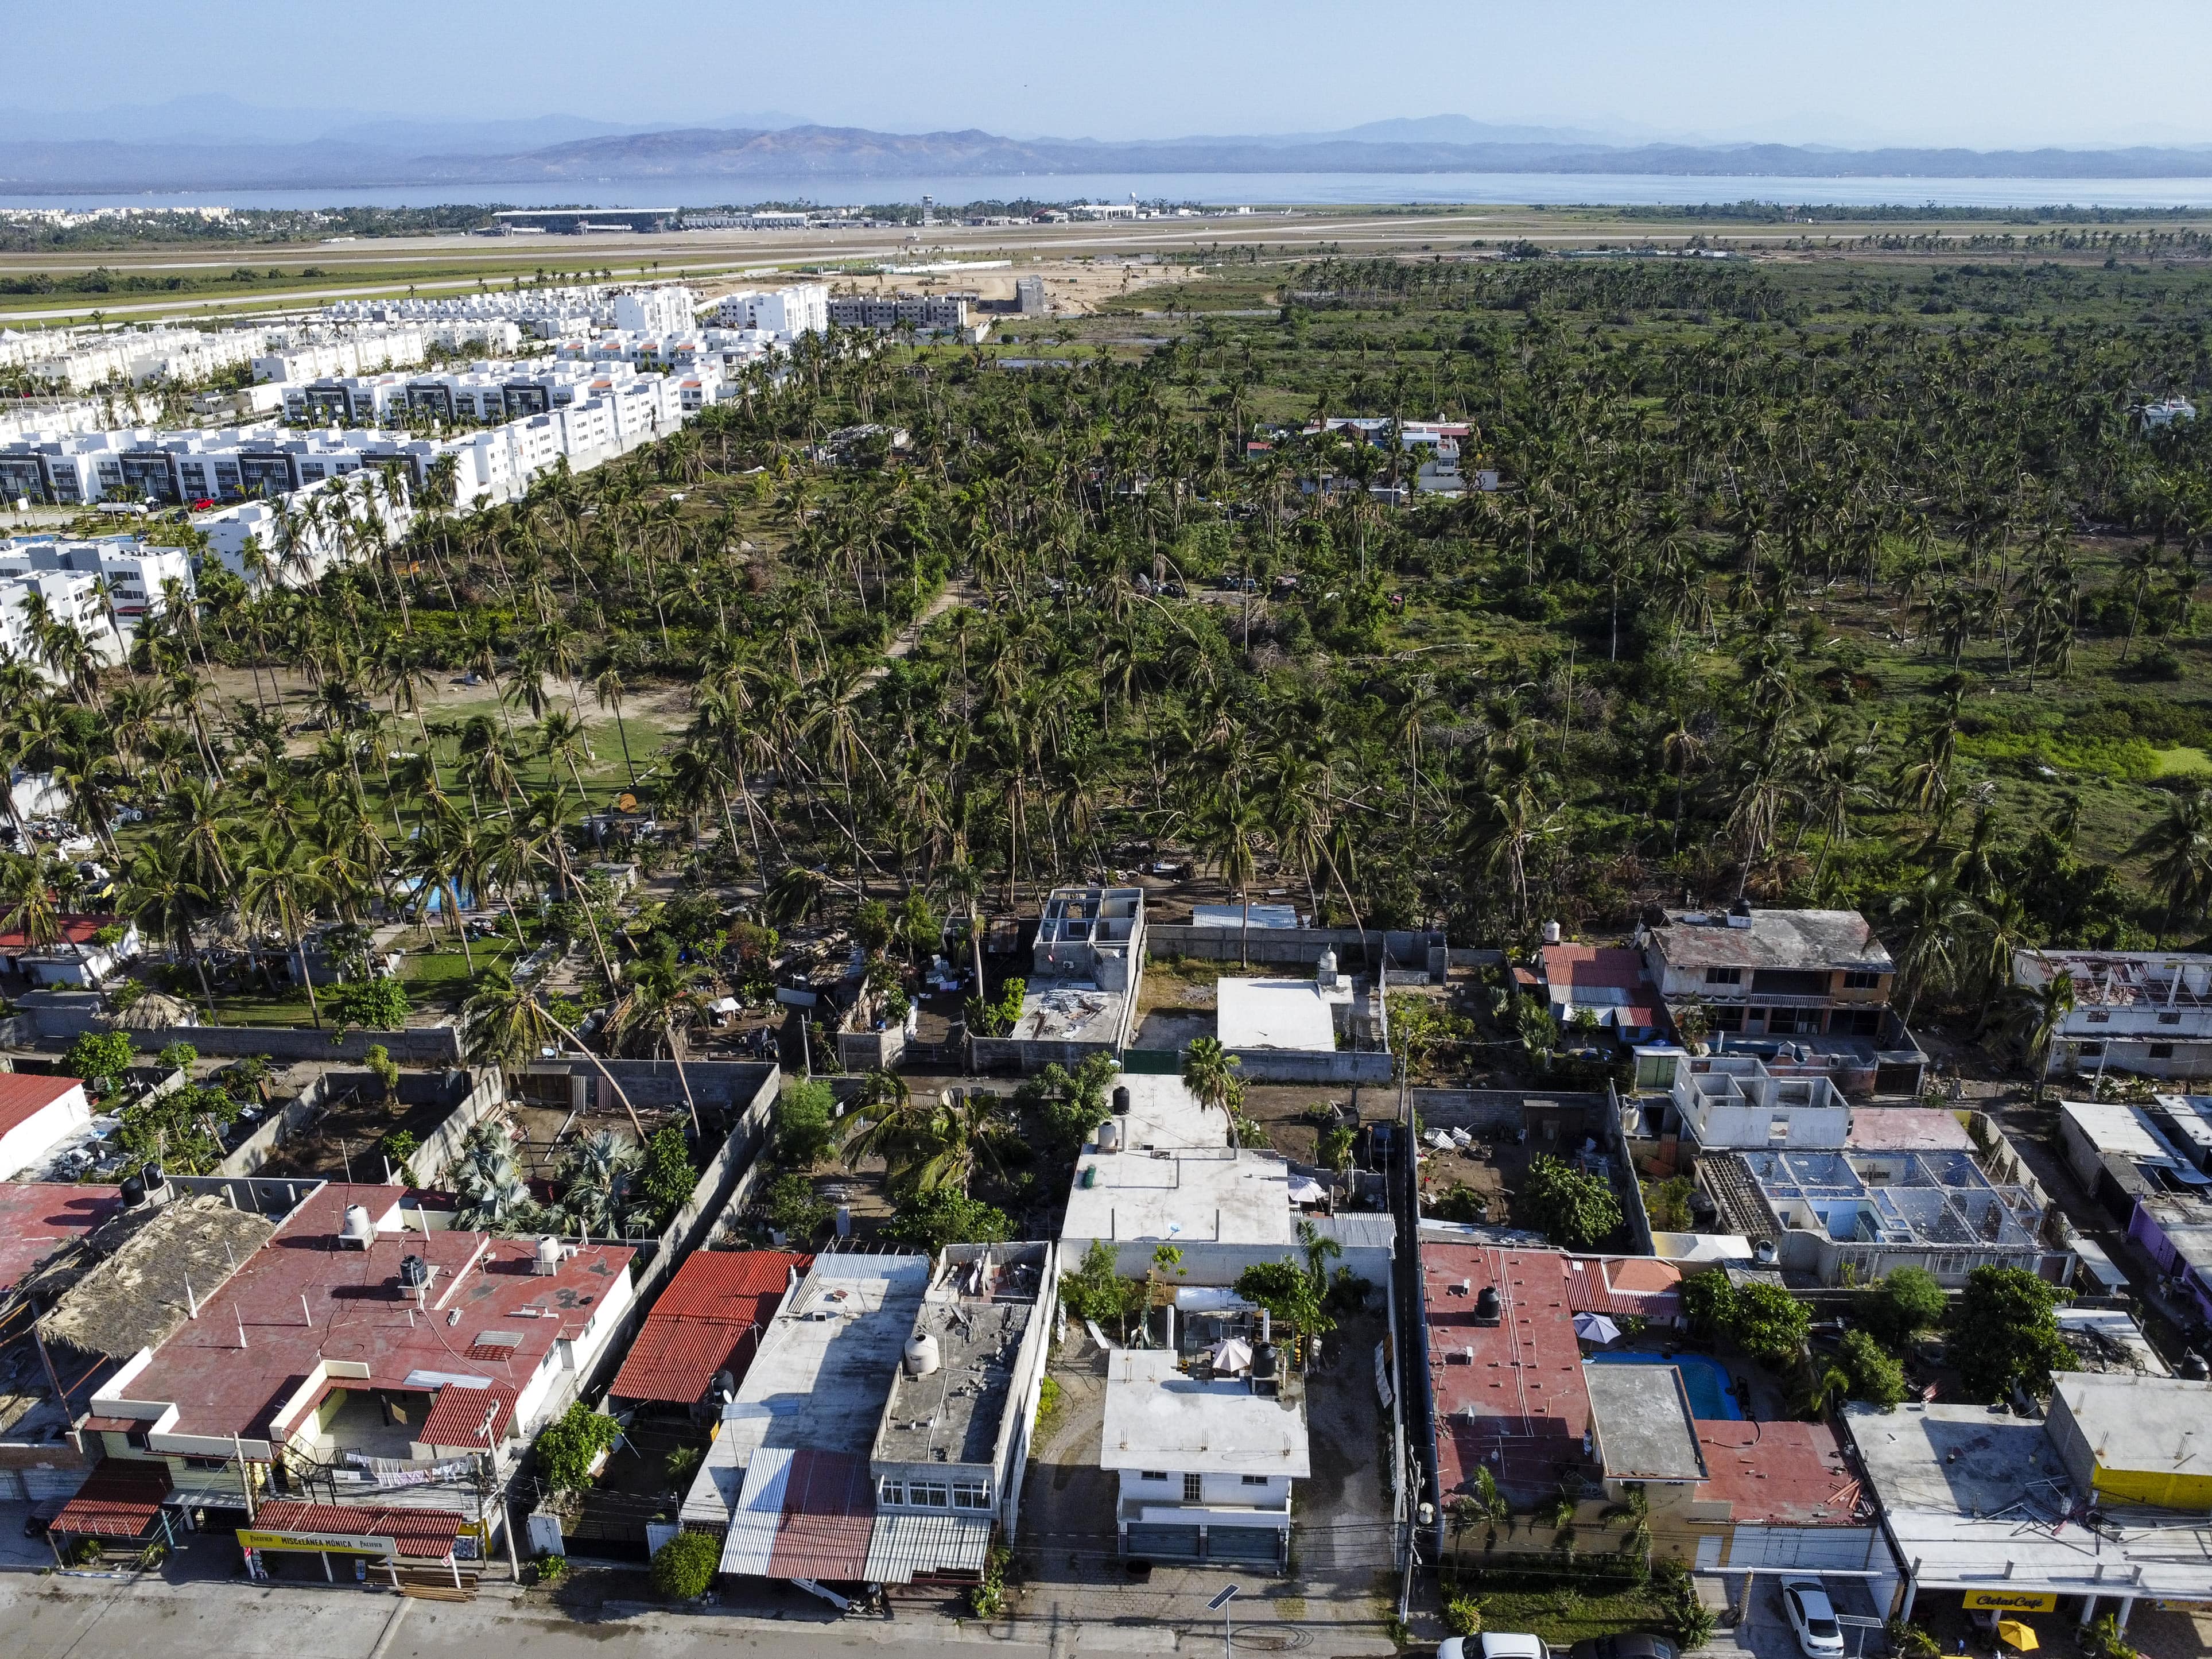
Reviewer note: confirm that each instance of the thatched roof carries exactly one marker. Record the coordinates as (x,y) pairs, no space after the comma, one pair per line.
(135,1298)
(152,1012)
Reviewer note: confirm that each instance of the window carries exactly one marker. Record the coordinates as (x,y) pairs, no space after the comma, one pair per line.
(1193,1489)
(2161,1051)
(2169,1019)
(1256,1480)
(2090,1051)
(2101,1019)
(894,1492)
(929,1494)
(1723,975)
(971,1495)
(1152,1474)
(1861,979)
(1754,1016)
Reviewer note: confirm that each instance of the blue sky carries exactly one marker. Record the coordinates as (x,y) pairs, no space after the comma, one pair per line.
(2028,72)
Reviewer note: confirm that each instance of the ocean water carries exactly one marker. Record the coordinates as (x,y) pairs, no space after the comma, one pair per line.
(1216,189)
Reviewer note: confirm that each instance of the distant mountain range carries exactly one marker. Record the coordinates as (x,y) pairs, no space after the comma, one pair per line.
(215,145)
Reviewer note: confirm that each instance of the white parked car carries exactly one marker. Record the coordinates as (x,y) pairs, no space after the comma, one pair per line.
(1493,1644)
(1812,1617)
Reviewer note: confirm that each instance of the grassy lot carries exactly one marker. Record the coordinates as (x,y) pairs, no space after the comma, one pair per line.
(1565,1616)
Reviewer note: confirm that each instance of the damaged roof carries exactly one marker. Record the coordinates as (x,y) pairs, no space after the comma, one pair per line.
(1775,938)
(137,1297)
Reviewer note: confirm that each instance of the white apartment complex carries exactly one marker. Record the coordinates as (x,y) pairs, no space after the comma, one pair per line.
(783,312)
(137,572)
(365,351)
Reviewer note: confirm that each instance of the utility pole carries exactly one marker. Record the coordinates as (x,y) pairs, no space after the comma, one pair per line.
(1222,1598)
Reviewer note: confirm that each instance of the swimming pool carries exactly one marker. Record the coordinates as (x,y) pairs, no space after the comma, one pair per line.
(1705,1379)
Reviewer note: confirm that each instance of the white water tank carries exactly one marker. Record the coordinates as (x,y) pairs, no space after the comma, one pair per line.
(1325,970)
(922,1355)
(1551,932)
(548,1255)
(1109,1135)
(355,1229)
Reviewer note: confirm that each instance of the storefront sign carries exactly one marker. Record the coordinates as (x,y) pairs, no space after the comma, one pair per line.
(2013,1600)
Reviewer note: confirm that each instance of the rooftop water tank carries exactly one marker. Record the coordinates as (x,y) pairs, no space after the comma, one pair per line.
(413,1273)
(1551,932)
(1109,1136)
(1325,970)
(1122,1100)
(355,1229)
(1762,1252)
(1485,1305)
(922,1355)
(548,1259)
(133,1191)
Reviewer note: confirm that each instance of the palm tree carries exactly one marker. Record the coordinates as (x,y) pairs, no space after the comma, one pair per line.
(2039,1015)
(1209,1072)
(159,896)
(664,997)
(280,889)
(504,1025)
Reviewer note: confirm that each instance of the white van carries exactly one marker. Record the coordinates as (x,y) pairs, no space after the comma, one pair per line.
(1493,1644)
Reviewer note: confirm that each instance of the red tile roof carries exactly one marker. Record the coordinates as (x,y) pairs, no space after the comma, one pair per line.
(706,1321)
(23,1096)
(120,1499)
(437,1527)
(39,1218)
(457,1416)
(356,1314)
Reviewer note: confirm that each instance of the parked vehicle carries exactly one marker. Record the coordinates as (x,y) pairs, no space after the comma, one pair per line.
(1812,1617)
(1633,1646)
(1493,1644)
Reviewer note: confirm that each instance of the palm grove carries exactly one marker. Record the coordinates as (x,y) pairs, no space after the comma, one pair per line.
(1822,582)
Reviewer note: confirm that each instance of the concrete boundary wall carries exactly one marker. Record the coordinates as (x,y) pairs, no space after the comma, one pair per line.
(296,1114)
(57,1021)
(1341,1065)
(1303,946)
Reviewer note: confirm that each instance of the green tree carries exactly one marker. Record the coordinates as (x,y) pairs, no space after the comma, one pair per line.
(1574,1210)
(805,1123)
(571,1443)
(377,1005)
(942,1215)
(1285,1290)
(793,1209)
(1709,1301)
(667,1176)
(2004,1332)
(1908,1301)
(100,1058)
(1768,1323)
(1876,1376)
(1209,1072)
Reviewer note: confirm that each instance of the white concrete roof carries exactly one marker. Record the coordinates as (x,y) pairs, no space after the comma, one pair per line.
(1157,1418)
(2113,1126)
(1973,1498)
(1214,1195)
(2143,1424)
(1163,1113)
(1276,1013)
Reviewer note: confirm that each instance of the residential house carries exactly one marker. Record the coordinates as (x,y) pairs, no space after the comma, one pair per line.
(706,1325)
(38,1115)
(1608,984)
(2148,1012)
(1805,990)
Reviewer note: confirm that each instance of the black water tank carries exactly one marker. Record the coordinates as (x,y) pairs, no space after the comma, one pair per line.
(1485,1305)
(1121,1100)
(414,1272)
(134,1192)
(2193,1366)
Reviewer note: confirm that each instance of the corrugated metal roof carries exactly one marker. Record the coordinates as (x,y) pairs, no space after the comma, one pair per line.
(457,1416)
(906,1546)
(706,1322)
(119,1498)
(802,1514)
(23,1096)
(403,1527)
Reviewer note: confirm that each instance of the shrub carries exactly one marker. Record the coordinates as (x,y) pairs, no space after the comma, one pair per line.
(685,1565)
(1048,1406)
(398,1147)
(548,1569)
(1908,1301)
(1463,1615)
(379,1060)
(1875,1377)
(180,1057)
(792,1207)
(375,1004)
(668,1177)
(1709,1301)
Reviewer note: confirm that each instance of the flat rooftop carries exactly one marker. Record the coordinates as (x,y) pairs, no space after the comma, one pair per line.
(304,1299)
(1976,1498)
(821,1375)
(1158,1419)
(1641,1417)
(978,1314)
(1906,1130)
(1069,1009)
(2143,1424)
(1278,1013)
(1214,1194)
(1775,938)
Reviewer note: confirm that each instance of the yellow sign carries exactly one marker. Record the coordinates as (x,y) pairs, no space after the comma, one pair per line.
(295,1540)
(2013,1600)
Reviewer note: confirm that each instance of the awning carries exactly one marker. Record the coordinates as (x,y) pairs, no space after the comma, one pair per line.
(905,1547)
(120,1499)
(802,1514)
(287,1524)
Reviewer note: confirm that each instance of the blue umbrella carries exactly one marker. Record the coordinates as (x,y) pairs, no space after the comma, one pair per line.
(1596,1327)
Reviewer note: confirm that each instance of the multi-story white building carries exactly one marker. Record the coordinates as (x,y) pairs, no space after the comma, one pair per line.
(365,351)
(929,314)
(2145,1011)
(784,312)
(137,572)
(669,308)
(81,360)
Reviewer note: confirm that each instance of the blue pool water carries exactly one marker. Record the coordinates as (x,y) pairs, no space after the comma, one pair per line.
(1705,1379)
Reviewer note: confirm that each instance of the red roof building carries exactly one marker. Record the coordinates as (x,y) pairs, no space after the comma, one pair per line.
(708,1321)
(120,1499)
(1512,1396)
(37,1114)
(1606,981)
(39,1218)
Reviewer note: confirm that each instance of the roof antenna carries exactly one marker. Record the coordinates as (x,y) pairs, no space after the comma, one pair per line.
(241,1326)
(191,1302)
